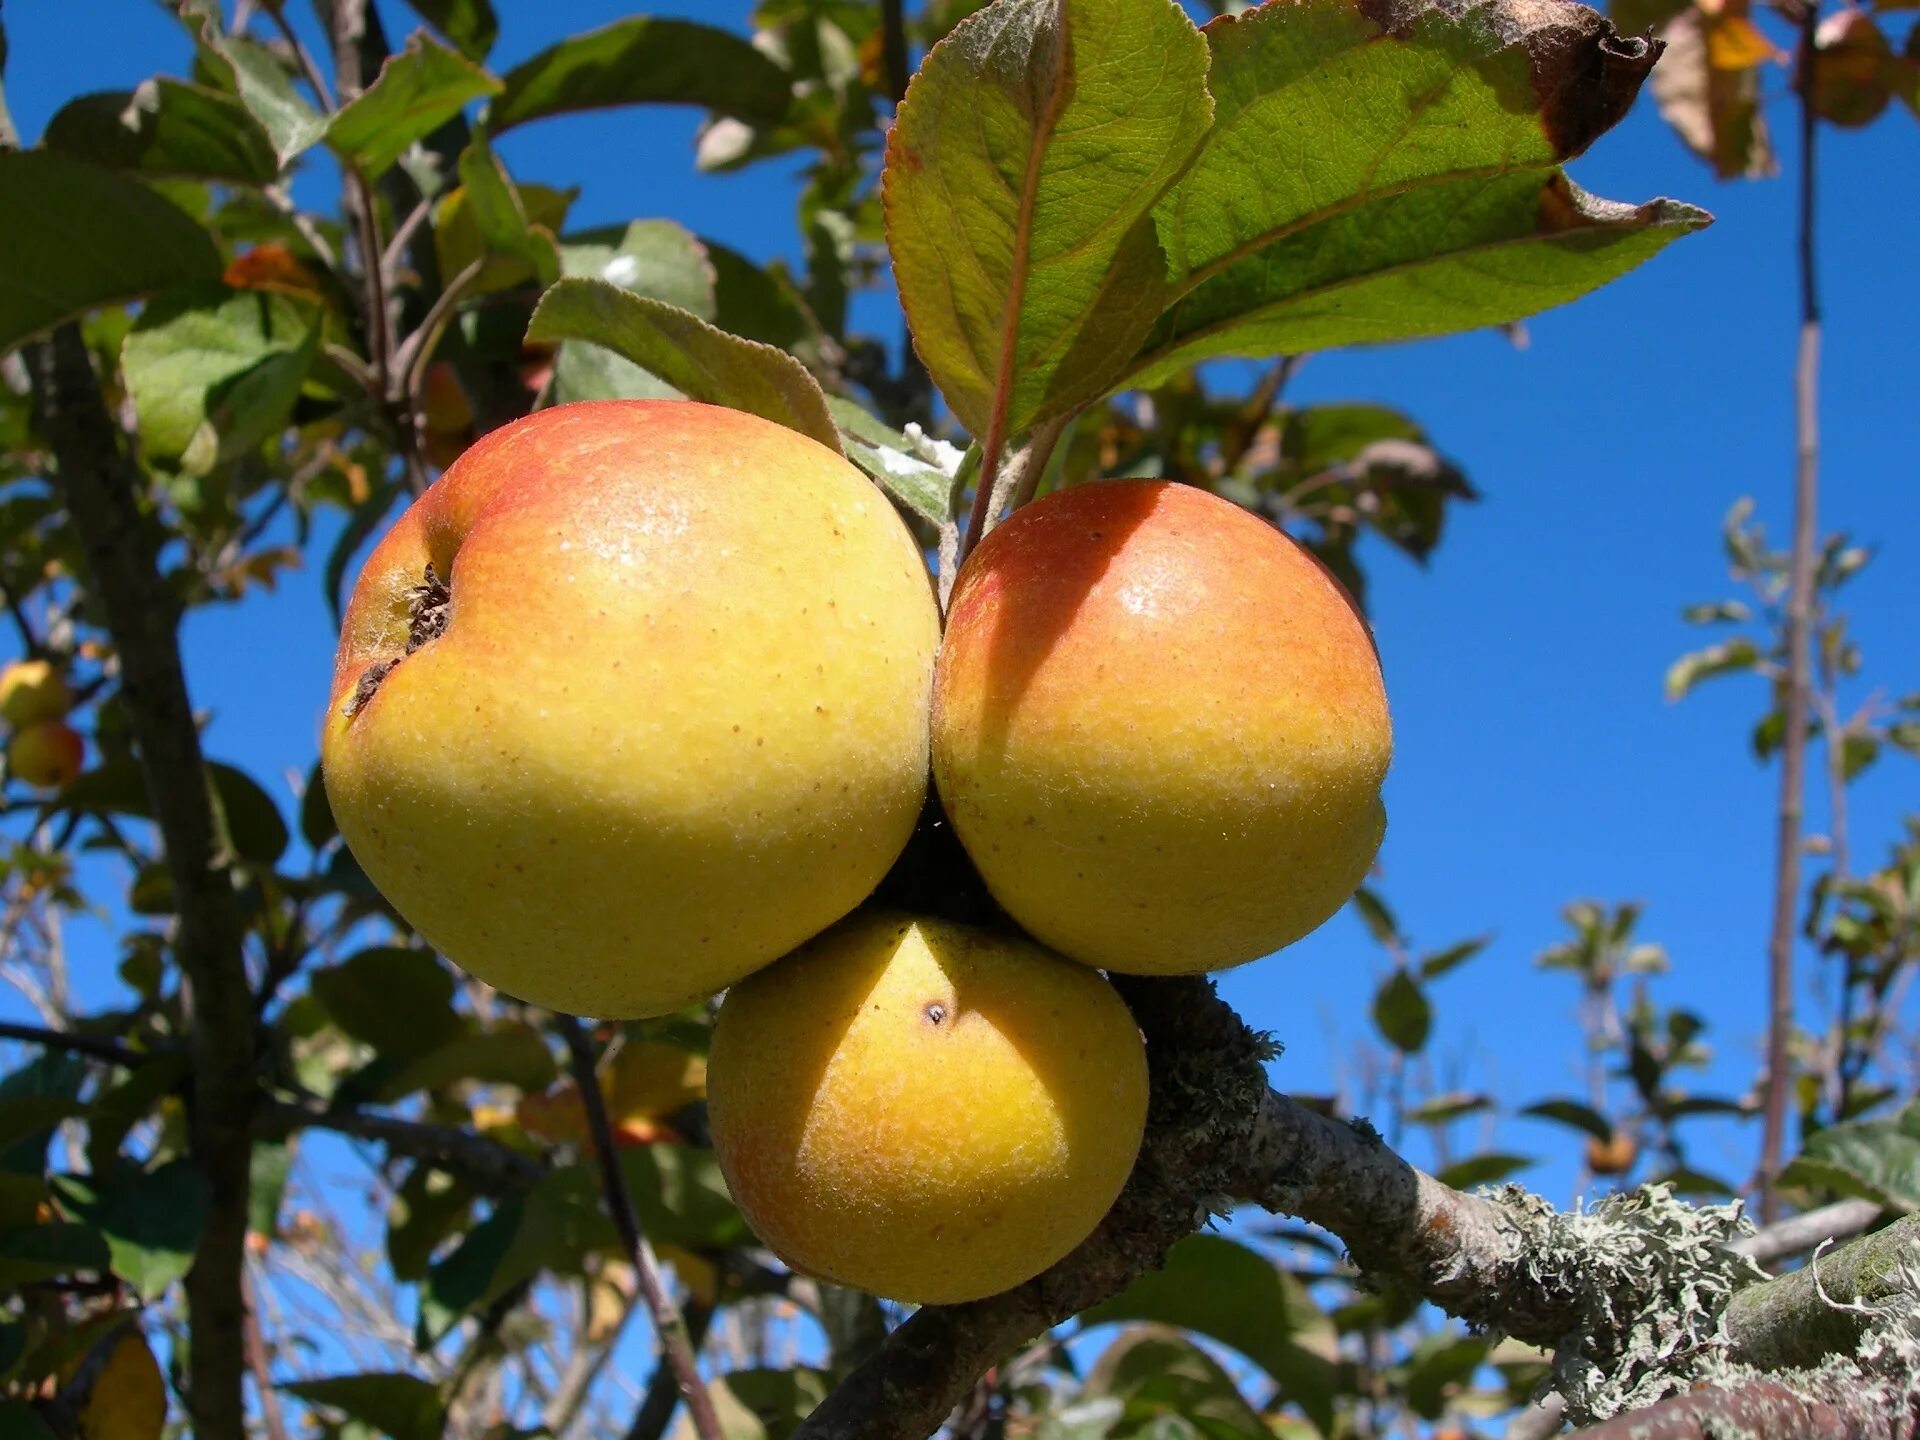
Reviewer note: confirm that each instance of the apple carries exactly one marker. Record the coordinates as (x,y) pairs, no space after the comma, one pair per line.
(924,1110)
(32,691)
(48,755)
(632,701)
(1159,729)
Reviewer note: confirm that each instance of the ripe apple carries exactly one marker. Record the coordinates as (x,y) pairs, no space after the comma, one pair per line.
(48,754)
(924,1110)
(632,701)
(32,691)
(1159,729)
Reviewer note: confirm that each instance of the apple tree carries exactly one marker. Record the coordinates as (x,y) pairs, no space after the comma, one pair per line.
(216,382)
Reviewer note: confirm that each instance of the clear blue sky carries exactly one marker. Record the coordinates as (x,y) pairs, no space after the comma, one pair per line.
(1537,761)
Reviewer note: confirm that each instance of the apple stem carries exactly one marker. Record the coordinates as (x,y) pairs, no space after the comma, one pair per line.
(668,1323)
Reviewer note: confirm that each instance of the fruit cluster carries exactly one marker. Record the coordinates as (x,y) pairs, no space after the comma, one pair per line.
(641,697)
(43,750)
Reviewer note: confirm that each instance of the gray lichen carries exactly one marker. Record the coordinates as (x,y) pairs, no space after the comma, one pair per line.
(1654,1275)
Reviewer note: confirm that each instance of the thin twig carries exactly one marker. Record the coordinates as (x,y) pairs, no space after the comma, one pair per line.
(455,1150)
(395,254)
(97,1047)
(1802,1232)
(670,1328)
(416,351)
(1038,453)
(272,1418)
(302,57)
(662,1397)
(1793,749)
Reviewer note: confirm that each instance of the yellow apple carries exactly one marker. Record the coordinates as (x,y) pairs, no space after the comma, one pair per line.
(48,754)
(1159,729)
(632,701)
(924,1110)
(32,691)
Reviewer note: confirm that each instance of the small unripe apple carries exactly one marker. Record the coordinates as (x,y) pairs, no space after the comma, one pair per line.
(1613,1156)
(924,1110)
(32,691)
(1159,729)
(48,754)
(632,701)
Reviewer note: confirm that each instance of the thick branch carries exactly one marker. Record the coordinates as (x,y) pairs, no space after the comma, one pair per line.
(1786,1322)
(1765,1408)
(488,1163)
(102,488)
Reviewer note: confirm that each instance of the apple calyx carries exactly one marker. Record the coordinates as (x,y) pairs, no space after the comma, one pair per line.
(427,605)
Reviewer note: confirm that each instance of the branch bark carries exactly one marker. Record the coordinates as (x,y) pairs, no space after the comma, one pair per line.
(96,1047)
(1800,1233)
(102,491)
(487,1163)
(1799,684)
(1787,1324)
(1763,1408)
(669,1327)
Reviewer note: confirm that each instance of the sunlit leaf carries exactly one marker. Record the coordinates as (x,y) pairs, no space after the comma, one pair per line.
(214,372)
(402,1407)
(1020,178)
(470,24)
(151,1219)
(644,60)
(682,349)
(416,92)
(1715,111)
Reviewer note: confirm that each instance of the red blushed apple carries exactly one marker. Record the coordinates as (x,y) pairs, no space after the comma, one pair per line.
(633,701)
(47,755)
(1159,729)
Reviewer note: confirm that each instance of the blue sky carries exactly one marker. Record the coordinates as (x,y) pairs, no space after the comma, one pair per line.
(1536,759)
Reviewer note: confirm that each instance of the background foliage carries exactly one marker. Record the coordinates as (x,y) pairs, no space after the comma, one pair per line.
(288,362)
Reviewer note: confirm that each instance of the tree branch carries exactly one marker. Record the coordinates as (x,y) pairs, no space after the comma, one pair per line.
(486,1162)
(102,491)
(1787,1323)
(1800,1233)
(1799,684)
(668,1325)
(1765,1408)
(98,1047)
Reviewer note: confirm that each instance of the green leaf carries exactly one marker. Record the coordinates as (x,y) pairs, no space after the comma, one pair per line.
(1162,1377)
(656,258)
(1574,1115)
(1728,658)
(398,1001)
(1487,1169)
(267,1173)
(470,24)
(759,304)
(22,1421)
(252,72)
(415,93)
(893,461)
(682,349)
(465,1277)
(1385,172)
(1433,966)
(1402,1013)
(644,61)
(508,1056)
(33,1101)
(47,1252)
(317,825)
(1423,263)
(650,257)
(214,372)
(253,821)
(1229,1293)
(681,1197)
(97,238)
(1440,1367)
(1377,916)
(501,219)
(166,127)
(401,1406)
(426,1209)
(1020,180)
(774,1402)
(1443,1109)
(151,1219)
(1878,1160)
